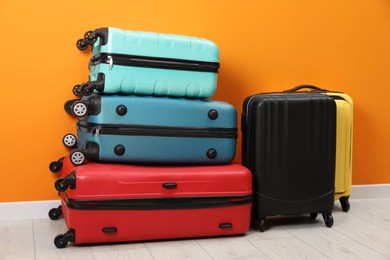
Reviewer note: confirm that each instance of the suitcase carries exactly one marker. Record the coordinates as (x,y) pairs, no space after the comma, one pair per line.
(116,203)
(344,128)
(344,142)
(153,130)
(289,142)
(146,63)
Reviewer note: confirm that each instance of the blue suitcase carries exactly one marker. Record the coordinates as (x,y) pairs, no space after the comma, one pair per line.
(152,130)
(146,63)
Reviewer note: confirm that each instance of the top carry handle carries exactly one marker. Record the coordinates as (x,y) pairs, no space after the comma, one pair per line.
(313,88)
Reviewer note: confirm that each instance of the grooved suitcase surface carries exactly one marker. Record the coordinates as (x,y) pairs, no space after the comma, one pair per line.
(141,80)
(159,111)
(289,145)
(157,45)
(344,137)
(158,130)
(112,184)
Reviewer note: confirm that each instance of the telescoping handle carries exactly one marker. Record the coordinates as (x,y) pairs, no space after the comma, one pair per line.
(313,88)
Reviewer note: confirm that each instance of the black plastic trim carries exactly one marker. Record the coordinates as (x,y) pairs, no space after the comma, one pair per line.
(92,149)
(102,33)
(169,185)
(144,130)
(157,203)
(225,225)
(154,62)
(109,230)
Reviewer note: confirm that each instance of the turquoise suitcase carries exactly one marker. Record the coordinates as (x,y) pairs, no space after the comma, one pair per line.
(147,63)
(152,130)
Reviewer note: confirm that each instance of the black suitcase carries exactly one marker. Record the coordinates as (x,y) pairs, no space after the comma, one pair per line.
(289,142)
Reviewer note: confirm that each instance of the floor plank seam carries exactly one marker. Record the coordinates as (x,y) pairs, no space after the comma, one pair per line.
(150,253)
(319,251)
(359,242)
(372,222)
(33,237)
(264,253)
(204,249)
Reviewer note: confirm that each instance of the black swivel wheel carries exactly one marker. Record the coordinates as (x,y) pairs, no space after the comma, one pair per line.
(56,166)
(87,89)
(62,240)
(61,185)
(328,219)
(68,106)
(90,37)
(345,206)
(313,215)
(82,45)
(55,213)
(77,91)
(261,224)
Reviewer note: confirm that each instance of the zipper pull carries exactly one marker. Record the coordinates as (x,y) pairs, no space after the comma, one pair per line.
(95,130)
(110,61)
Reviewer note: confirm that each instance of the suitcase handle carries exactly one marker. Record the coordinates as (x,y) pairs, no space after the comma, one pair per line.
(169,185)
(313,88)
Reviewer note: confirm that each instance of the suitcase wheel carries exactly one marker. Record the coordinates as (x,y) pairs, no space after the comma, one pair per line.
(77,91)
(62,240)
(313,215)
(69,140)
(87,88)
(62,184)
(79,109)
(55,213)
(56,166)
(328,219)
(90,37)
(82,45)
(345,203)
(261,224)
(77,157)
(68,106)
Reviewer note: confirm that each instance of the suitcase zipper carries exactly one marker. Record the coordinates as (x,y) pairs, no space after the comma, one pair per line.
(157,203)
(153,62)
(157,130)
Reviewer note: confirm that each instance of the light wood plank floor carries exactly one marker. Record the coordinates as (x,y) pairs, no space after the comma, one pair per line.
(362,233)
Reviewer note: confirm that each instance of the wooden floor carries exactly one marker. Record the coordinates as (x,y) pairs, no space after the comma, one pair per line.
(362,233)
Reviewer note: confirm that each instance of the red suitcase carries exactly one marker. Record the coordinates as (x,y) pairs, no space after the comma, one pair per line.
(114,202)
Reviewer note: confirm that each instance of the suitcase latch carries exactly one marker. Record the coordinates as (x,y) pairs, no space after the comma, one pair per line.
(110,61)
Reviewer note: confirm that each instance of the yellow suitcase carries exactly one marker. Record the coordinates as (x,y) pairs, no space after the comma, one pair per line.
(344,133)
(344,128)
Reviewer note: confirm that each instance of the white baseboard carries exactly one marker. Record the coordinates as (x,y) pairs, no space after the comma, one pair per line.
(372,191)
(40,209)
(27,209)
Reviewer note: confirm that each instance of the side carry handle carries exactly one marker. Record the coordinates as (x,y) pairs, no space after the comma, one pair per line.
(169,185)
(313,88)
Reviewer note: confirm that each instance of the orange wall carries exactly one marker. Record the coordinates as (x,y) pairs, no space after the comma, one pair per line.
(264,46)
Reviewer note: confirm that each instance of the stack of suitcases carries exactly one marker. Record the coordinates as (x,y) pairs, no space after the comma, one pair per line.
(152,159)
